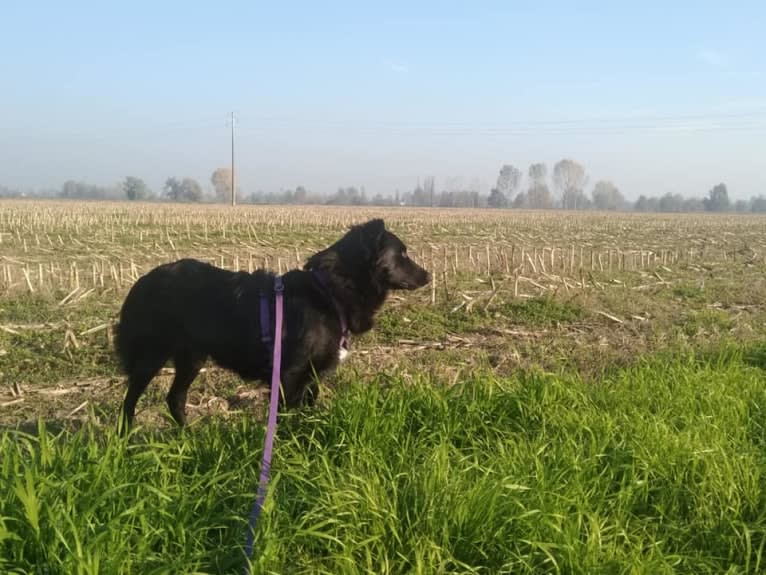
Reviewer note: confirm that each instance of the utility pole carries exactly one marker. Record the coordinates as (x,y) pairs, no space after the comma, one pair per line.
(233,180)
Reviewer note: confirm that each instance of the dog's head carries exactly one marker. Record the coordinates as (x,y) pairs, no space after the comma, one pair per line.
(388,256)
(372,251)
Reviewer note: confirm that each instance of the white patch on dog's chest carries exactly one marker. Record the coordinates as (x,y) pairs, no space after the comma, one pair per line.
(343,353)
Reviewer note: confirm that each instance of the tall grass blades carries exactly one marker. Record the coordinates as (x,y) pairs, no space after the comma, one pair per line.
(658,468)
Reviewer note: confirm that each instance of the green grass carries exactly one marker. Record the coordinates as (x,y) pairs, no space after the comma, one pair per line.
(658,468)
(436,322)
(34,351)
(424,323)
(689,292)
(542,311)
(707,321)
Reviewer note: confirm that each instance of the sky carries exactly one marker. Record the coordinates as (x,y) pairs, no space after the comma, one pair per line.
(656,96)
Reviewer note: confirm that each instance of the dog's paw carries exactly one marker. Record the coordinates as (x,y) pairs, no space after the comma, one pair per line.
(343,354)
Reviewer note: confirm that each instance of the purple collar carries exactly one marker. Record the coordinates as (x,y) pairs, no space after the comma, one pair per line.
(344,333)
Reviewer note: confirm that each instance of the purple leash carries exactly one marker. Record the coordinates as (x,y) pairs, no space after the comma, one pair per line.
(273,405)
(275,382)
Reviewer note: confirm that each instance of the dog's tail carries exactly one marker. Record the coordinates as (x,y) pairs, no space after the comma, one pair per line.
(124,331)
(121,348)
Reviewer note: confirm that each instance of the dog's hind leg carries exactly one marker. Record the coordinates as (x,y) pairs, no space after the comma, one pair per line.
(139,376)
(187,365)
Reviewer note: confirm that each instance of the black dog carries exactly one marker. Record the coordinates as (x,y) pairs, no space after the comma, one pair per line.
(188,311)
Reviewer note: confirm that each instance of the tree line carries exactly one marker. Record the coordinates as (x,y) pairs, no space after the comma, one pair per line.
(569,180)
(565,187)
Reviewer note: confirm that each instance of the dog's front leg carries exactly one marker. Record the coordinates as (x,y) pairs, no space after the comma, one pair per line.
(300,387)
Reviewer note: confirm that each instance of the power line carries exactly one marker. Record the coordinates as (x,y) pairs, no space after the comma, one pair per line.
(233,180)
(597,120)
(573,131)
(751,120)
(743,121)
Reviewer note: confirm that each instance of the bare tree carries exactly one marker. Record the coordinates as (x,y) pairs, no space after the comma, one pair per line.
(537,174)
(497,199)
(187,190)
(645,204)
(539,198)
(758,204)
(417,197)
(221,180)
(82,190)
(569,178)
(538,195)
(429,191)
(718,199)
(606,196)
(521,200)
(671,203)
(172,189)
(508,181)
(135,188)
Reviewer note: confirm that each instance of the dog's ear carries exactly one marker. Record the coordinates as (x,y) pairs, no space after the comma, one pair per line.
(373,231)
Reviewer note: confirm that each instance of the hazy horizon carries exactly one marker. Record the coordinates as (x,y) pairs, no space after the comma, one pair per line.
(657,98)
